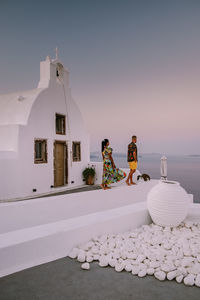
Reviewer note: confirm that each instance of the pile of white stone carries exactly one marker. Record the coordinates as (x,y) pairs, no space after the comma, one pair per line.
(166,253)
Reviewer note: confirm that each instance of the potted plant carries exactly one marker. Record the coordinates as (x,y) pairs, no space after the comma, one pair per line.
(89,175)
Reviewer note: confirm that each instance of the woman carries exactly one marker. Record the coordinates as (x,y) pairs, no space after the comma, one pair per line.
(111,174)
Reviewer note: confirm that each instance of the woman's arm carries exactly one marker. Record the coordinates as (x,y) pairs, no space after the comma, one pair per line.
(112,161)
(102,155)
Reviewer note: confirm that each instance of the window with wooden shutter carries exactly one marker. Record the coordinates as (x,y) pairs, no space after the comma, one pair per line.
(60,124)
(40,151)
(76,150)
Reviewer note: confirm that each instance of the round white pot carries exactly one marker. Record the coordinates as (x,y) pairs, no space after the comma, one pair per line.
(168,203)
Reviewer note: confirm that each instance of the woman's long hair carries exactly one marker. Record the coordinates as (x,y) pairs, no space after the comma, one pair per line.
(103,144)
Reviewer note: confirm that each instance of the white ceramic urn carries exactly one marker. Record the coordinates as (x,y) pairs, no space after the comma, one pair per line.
(168,203)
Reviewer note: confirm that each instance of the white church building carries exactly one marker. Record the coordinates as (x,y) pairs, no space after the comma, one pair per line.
(44,146)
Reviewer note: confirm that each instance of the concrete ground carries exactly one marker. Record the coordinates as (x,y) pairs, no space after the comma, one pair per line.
(65,280)
(84,188)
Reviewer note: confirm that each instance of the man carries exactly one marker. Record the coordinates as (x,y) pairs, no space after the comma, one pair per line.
(132,160)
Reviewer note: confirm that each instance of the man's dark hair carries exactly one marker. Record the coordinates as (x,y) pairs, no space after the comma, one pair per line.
(134,137)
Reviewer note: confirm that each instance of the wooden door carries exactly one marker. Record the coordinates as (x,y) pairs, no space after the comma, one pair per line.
(59,163)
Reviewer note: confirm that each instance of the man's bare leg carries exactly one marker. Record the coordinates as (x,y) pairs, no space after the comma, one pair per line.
(131,177)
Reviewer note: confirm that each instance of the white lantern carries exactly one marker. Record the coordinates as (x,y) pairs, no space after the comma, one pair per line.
(168,203)
(163,167)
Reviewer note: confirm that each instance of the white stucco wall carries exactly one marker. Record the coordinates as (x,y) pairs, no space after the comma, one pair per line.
(18,173)
(23,214)
(9,138)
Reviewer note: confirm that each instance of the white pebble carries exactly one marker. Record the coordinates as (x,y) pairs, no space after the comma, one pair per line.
(119,267)
(182,271)
(85,266)
(171,275)
(128,267)
(160,275)
(140,258)
(103,239)
(154,264)
(112,262)
(96,257)
(189,280)
(177,263)
(132,255)
(150,271)
(89,259)
(103,262)
(142,273)
(95,250)
(187,261)
(197,280)
(74,253)
(81,257)
(123,255)
(166,268)
(135,270)
(168,253)
(179,278)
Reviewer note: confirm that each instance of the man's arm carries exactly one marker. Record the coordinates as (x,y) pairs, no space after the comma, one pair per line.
(128,152)
(134,155)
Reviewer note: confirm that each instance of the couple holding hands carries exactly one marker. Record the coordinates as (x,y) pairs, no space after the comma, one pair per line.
(112,174)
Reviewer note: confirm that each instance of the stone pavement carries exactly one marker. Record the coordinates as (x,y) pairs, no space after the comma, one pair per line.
(65,280)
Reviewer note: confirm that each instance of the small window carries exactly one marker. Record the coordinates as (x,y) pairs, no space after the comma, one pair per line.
(40,151)
(76,149)
(59,71)
(60,124)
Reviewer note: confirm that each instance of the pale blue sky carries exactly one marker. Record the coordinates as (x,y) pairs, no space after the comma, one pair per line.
(134,65)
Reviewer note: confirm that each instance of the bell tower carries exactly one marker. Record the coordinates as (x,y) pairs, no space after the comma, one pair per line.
(53,71)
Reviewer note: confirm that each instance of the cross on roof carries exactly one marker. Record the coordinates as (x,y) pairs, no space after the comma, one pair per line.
(56,52)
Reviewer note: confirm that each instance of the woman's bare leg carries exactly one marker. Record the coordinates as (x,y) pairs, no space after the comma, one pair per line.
(128,178)
(102,186)
(107,187)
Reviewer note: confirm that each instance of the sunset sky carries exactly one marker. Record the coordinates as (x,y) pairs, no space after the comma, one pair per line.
(134,65)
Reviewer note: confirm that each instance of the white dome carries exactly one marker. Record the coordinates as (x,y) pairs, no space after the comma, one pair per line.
(15,108)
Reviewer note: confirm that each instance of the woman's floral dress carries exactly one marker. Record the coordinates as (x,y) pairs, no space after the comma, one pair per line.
(110,174)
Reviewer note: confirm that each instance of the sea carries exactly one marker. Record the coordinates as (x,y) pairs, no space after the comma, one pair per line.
(182,168)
